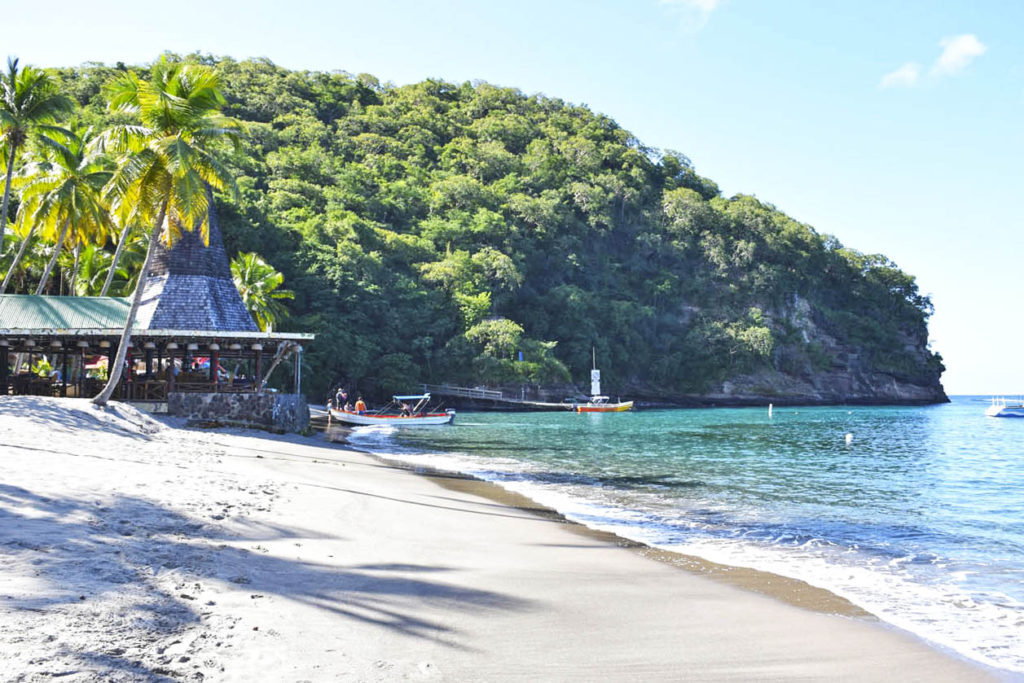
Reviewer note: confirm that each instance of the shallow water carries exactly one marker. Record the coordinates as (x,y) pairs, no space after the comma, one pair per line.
(919,518)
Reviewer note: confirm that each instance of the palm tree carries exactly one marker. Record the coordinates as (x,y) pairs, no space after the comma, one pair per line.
(122,241)
(167,168)
(29,261)
(258,283)
(94,265)
(28,101)
(62,193)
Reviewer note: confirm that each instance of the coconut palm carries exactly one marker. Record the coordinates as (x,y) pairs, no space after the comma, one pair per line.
(28,102)
(122,241)
(94,264)
(258,283)
(128,269)
(62,193)
(168,164)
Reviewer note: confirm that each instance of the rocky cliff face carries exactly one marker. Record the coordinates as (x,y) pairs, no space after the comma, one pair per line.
(810,365)
(831,387)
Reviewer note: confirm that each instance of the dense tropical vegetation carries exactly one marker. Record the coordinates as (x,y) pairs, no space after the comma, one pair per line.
(436,231)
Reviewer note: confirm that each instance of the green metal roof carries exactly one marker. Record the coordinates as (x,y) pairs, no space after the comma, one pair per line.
(51,313)
(23,315)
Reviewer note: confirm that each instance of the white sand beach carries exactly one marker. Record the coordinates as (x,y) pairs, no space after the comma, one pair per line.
(134,549)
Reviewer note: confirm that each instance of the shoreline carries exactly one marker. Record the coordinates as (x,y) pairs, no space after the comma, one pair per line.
(787,590)
(135,549)
(791,591)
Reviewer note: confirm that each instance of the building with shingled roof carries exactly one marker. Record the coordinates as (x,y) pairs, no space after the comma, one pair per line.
(192,335)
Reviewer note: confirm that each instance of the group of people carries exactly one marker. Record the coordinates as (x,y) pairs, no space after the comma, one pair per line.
(341,402)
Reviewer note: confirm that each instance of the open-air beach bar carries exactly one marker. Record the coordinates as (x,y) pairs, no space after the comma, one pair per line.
(192,334)
(63,346)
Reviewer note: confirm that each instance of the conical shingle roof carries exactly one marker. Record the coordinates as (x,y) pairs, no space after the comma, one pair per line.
(189,287)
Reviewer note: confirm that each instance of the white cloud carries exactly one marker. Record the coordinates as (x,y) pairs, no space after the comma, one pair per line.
(905,76)
(693,13)
(957,53)
(706,6)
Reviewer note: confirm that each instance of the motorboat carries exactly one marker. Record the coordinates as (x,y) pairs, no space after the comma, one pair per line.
(599,403)
(1001,408)
(404,411)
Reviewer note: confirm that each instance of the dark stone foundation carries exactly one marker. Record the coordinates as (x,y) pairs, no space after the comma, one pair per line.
(276,412)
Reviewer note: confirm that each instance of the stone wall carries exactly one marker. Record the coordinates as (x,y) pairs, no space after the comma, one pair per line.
(277,412)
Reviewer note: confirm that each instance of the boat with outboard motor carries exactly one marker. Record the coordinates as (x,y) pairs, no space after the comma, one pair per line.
(399,413)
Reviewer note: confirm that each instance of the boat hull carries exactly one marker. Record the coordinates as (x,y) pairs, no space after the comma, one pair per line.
(605,407)
(425,420)
(1005,411)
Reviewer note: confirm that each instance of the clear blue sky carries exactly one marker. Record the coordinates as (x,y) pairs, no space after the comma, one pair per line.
(898,127)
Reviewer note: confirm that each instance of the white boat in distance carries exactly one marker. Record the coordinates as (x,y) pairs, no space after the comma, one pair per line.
(1000,408)
(416,416)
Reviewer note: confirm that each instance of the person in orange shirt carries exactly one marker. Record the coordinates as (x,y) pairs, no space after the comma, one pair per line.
(360,406)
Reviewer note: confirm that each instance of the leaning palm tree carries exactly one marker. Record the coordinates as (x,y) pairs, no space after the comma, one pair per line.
(28,102)
(62,194)
(257,282)
(122,241)
(28,233)
(167,166)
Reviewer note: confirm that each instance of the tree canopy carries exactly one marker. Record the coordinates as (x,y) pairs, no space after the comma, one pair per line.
(434,231)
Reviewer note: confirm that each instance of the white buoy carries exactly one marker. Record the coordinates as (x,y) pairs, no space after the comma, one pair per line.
(849,438)
(769,410)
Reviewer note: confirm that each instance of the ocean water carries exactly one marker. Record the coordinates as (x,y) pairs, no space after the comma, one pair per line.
(917,516)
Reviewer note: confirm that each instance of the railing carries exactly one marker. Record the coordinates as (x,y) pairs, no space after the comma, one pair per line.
(464,392)
(138,389)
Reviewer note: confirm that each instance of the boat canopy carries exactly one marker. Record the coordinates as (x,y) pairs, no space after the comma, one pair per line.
(417,397)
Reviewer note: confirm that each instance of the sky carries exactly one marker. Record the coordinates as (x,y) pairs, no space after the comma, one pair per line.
(896,127)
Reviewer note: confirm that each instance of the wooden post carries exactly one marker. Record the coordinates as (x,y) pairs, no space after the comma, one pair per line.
(129,376)
(111,355)
(81,370)
(5,369)
(258,378)
(214,362)
(170,371)
(64,373)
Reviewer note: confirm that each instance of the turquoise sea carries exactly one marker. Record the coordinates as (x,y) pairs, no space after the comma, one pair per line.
(917,516)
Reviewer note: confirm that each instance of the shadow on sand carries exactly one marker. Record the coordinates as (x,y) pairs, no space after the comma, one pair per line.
(119,581)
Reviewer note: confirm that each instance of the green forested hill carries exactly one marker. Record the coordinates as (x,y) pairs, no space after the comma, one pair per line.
(433,231)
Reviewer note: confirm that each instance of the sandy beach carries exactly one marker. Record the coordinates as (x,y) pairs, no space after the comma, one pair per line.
(135,549)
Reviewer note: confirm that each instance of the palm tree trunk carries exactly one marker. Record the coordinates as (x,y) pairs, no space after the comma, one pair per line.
(17,259)
(117,257)
(114,371)
(74,271)
(53,259)
(7,196)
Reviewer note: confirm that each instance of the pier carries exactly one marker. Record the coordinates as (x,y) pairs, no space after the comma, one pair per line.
(490,399)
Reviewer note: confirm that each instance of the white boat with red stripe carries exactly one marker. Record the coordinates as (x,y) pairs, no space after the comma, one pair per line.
(404,411)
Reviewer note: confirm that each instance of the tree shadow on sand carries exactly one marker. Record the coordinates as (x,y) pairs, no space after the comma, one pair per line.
(55,415)
(114,585)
